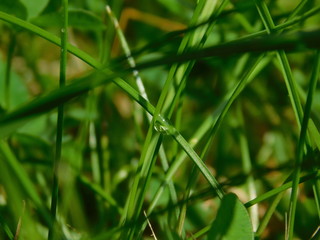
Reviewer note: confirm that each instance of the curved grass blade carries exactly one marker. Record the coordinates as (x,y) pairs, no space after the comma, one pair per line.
(212,123)
(50,37)
(9,122)
(173,36)
(293,42)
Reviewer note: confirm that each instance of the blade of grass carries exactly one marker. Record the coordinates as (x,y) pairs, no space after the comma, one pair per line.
(212,132)
(62,95)
(153,139)
(297,41)
(52,234)
(301,145)
(122,84)
(170,37)
(265,196)
(11,49)
(212,123)
(83,86)
(308,177)
(94,63)
(166,128)
(283,60)
(13,164)
(297,107)
(6,228)
(247,166)
(267,216)
(206,193)
(100,192)
(50,37)
(141,89)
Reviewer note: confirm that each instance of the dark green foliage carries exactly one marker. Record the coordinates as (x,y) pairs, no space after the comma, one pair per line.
(238,79)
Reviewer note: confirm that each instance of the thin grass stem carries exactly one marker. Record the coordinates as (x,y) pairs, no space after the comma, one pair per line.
(301,145)
(58,146)
(7,80)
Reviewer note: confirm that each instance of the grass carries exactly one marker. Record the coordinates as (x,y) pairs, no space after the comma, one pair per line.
(102,153)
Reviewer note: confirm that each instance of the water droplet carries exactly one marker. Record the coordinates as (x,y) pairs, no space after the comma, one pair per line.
(163,126)
(62,30)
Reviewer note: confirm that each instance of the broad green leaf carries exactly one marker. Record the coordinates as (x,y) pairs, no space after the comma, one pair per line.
(13,7)
(232,221)
(34,7)
(80,19)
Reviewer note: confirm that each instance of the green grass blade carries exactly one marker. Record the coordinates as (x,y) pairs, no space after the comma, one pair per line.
(10,121)
(13,165)
(202,167)
(58,145)
(297,41)
(170,37)
(153,140)
(247,166)
(308,177)
(141,89)
(301,145)
(11,49)
(100,192)
(50,37)
(267,216)
(212,123)
(265,196)
(302,120)
(6,228)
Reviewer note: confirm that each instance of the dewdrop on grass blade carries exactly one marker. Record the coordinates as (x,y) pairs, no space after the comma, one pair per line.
(163,126)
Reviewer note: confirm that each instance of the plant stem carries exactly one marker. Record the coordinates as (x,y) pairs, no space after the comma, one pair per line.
(58,146)
(11,48)
(301,145)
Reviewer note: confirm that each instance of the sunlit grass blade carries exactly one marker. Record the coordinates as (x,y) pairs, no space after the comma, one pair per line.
(141,88)
(213,122)
(153,139)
